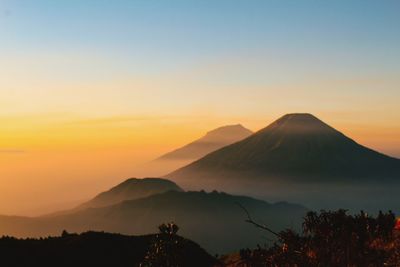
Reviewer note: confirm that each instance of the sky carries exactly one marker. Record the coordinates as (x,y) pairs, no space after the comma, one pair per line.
(89,89)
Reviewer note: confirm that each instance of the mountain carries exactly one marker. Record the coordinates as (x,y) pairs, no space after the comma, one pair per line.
(182,156)
(214,220)
(296,156)
(129,190)
(212,141)
(98,249)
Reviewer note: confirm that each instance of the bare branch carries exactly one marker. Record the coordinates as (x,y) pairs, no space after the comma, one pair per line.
(251,221)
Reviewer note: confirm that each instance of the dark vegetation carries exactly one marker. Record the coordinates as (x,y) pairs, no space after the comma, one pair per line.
(165,249)
(331,239)
(328,239)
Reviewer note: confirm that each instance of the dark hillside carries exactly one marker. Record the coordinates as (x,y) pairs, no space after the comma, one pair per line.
(93,249)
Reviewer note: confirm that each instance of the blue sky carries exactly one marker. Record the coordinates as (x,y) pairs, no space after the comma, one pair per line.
(170,34)
(231,58)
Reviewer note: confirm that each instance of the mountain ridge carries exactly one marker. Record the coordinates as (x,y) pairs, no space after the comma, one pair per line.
(187,209)
(130,189)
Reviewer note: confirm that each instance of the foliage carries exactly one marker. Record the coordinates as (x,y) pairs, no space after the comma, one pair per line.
(168,229)
(166,248)
(333,239)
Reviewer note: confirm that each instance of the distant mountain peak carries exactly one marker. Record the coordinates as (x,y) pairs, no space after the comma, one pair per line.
(226,134)
(208,143)
(213,140)
(228,129)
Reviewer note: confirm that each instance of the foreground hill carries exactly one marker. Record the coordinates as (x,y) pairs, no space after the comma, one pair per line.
(94,249)
(292,158)
(195,150)
(214,219)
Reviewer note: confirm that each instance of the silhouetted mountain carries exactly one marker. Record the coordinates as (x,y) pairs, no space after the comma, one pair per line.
(212,219)
(296,150)
(131,189)
(212,141)
(180,157)
(95,249)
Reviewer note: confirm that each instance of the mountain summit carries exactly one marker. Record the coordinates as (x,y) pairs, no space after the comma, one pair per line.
(295,150)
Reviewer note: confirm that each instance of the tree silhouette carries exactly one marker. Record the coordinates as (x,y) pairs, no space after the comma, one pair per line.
(334,239)
(166,248)
(169,228)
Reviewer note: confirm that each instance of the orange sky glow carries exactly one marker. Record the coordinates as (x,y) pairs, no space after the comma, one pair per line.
(91,90)
(45,159)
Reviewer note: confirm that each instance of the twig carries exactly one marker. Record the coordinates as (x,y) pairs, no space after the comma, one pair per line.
(251,221)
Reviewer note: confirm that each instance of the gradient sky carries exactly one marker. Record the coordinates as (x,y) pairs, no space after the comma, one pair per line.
(91,88)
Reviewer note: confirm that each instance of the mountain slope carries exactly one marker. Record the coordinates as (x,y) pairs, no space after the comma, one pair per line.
(182,156)
(297,149)
(214,220)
